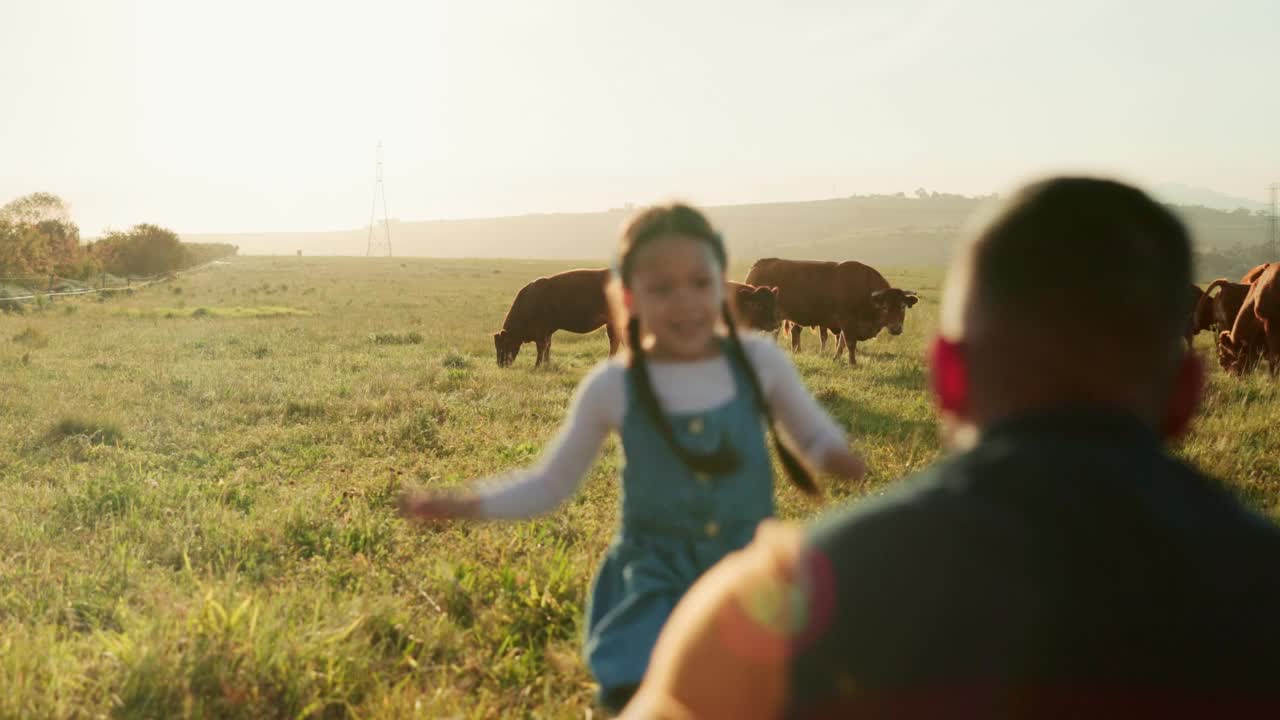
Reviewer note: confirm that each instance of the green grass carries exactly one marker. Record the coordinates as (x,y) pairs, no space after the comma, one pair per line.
(198,515)
(267,311)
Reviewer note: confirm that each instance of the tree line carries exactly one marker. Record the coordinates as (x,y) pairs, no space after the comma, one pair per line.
(39,238)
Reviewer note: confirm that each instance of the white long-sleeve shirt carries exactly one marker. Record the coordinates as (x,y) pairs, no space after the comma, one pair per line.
(599,405)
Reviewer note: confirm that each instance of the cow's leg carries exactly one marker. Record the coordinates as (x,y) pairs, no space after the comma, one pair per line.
(543,344)
(796,331)
(822,336)
(840,346)
(850,343)
(1272,334)
(613,338)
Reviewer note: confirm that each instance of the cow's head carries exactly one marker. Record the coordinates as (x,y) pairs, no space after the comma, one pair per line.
(891,306)
(1232,355)
(758,308)
(507,347)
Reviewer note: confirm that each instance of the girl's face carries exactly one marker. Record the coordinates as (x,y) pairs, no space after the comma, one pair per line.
(677,290)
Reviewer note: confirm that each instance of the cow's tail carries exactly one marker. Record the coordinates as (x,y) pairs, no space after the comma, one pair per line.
(1203,317)
(1220,282)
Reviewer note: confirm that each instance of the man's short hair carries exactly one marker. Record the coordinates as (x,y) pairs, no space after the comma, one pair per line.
(1095,260)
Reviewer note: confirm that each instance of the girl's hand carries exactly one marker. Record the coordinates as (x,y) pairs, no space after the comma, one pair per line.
(431,507)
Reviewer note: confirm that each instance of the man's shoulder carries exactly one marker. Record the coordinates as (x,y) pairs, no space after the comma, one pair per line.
(966,503)
(926,497)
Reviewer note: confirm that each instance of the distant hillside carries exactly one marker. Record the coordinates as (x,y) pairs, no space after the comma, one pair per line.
(893,230)
(1186,195)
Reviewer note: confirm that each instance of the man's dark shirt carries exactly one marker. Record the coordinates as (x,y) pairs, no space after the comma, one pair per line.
(1067,566)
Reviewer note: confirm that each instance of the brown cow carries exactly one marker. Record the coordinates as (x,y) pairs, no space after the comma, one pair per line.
(573,300)
(1254,273)
(756,307)
(848,296)
(1256,330)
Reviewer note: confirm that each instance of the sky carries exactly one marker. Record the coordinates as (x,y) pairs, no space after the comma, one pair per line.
(264,115)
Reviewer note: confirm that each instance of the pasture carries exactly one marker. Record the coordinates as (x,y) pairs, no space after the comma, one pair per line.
(198,488)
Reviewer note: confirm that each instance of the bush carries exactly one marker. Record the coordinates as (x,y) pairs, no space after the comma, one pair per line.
(9,306)
(411,338)
(456,361)
(201,253)
(32,337)
(144,250)
(96,432)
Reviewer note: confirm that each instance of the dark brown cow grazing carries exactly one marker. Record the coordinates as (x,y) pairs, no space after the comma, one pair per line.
(848,296)
(1218,312)
(1256,330)
(573,300)
(1193,325)
(756,307)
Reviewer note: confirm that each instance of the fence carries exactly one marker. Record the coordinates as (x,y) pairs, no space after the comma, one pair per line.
(129,282)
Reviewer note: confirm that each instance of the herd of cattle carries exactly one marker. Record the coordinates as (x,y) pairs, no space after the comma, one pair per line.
(848,299)
(854,302)
(1245,318)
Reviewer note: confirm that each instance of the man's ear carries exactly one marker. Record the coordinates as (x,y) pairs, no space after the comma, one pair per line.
(1184,400)
(949,376)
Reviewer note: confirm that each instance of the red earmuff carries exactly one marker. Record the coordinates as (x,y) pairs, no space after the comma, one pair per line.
(949,377)
(1184,402)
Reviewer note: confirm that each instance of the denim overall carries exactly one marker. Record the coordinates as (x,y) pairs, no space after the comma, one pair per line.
(676,523)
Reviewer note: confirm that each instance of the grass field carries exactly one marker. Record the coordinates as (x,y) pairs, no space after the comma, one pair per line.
(198,489)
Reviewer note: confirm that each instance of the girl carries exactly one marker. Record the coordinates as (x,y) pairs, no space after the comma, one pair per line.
(687,402)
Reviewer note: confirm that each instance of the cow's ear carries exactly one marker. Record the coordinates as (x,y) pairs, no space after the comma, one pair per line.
(877,298)
(762,291)
(774,289)
(911,300)
(498,335)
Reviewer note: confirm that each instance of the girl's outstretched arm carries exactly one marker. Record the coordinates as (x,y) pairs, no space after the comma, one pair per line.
(808,428)
(596,410)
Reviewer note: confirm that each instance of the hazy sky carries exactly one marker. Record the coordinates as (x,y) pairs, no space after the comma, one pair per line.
(248,115)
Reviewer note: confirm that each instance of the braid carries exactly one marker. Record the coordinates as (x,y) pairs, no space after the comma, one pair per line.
(796,472)
(722,460)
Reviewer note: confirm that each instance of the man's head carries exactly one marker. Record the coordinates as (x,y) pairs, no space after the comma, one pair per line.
(1074,294)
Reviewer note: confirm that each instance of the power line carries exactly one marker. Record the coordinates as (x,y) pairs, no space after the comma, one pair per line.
(1273,223)
(379,188)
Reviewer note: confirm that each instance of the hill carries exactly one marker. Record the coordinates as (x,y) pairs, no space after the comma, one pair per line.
(894,230)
